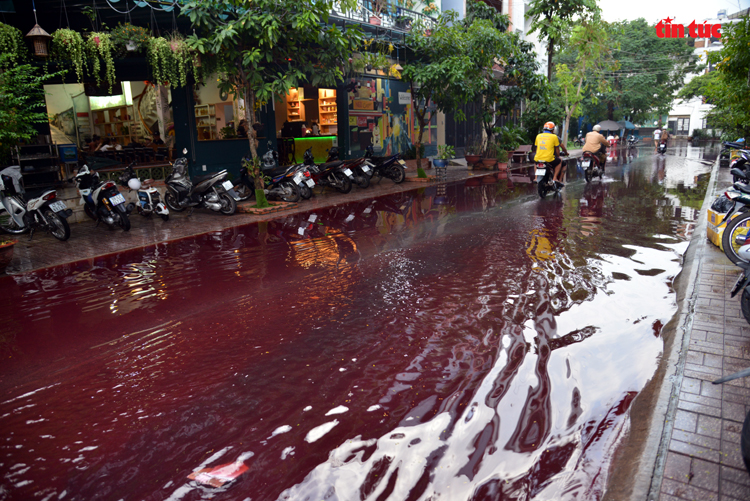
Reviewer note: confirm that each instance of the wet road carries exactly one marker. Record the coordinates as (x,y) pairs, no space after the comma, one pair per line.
(463,342)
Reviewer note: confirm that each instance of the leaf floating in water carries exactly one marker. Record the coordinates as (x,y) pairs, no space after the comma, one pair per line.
(219,475)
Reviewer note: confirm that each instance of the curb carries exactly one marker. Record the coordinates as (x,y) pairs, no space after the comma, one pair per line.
(650,469)
(275,207)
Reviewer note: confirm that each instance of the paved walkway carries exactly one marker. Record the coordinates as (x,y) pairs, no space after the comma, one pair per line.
(88,241)
(700,455)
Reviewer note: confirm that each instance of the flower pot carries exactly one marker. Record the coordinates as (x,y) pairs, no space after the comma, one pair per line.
(489,163)
(502,166)
(6,255)
(375,20)
(438,162)
(131,46)
(472,159)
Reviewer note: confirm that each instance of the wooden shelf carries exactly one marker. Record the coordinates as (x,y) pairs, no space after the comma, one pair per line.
(327,111)
(205,121)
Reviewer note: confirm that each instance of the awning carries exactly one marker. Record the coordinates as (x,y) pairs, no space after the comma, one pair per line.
(624,124)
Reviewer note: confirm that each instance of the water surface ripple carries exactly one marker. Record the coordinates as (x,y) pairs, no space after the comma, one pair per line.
(466,341)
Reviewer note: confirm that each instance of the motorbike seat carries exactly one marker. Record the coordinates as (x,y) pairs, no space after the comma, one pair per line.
(200,179)
(275,171)
(147,183)
(330,165)
(739,173)
(738,146)
(742,187)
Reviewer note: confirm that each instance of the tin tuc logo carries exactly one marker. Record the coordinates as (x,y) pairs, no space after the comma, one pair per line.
(665,29)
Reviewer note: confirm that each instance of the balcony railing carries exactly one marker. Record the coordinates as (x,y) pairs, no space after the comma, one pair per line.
(389,14)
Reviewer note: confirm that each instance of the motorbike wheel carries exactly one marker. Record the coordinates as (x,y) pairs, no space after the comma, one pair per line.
(363,181)
(291,191)
(745,306)
(171,202)
(739,226)
(124,221)
(346,183)
(745,440)
(58,226)
(397,174)
(165,217)
(244,192)
(542,187)
(305,192)
(8,225)
(89,211)
(587,175)
(228,205)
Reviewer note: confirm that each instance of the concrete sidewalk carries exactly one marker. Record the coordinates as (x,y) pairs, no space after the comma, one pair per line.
(698,455)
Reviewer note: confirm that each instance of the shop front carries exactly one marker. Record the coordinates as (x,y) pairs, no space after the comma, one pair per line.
(306,118)
(381,115)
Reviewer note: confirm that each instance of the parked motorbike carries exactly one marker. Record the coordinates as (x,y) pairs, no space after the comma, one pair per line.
(579,140)
(23,213)
(149,200)
(210,191)
(333,174)
(591,167)
(362,172)
(391,167)
(101,200)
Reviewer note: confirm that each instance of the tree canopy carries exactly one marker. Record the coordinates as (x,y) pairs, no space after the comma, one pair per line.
(552,19)
(263,48)
(727,87)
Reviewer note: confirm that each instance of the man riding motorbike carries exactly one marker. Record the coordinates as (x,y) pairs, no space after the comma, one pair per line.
(548,148)
(597,144)
(665,136)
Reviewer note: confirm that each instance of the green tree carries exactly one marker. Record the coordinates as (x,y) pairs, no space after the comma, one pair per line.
(442,72)
(265,47)
(507,64)
(21,104)
(651,70)
(552,19)
(590,44)
(727,87)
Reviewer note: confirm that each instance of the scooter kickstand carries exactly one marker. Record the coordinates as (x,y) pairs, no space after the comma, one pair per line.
(31,234)
(190,212)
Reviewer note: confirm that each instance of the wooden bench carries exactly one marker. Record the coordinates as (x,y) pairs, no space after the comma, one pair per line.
(521,155)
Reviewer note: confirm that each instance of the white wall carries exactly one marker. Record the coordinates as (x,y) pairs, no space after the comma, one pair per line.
(58,97)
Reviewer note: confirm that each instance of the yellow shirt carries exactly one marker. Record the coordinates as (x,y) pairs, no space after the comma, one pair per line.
(545,147)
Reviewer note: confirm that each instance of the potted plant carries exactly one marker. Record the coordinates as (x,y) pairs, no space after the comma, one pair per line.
(6,251)
(445,153)
(473,152)
(68,45)
(502,159)
(377,8)
(489,158)
(170,60)
(11,43)
(129,39)
(100,48)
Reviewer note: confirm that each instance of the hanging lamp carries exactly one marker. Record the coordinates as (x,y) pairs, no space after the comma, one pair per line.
(39,38)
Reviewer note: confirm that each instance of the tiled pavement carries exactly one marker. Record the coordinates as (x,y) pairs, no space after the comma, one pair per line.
(703,460)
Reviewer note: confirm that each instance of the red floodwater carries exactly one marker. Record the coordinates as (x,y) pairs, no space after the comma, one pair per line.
(456,342)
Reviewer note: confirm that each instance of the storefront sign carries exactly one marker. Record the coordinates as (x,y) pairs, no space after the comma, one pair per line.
(362,104)
(404,98)
(353,121)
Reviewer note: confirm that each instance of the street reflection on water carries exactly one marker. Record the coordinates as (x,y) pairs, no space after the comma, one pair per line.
(465,340)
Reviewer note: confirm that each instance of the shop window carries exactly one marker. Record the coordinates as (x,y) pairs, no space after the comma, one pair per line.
(218,114)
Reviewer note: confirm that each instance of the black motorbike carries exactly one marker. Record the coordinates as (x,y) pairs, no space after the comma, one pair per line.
(334,174)
(210,191)
(391,167)
(102,201)
(662,148)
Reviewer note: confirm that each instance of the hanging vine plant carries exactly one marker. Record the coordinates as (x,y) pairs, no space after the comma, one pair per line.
(100,48)
(68,45)
(11,43)
(170,60)
(129,39)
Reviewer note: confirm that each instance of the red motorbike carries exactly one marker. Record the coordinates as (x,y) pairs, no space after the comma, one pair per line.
(591,166)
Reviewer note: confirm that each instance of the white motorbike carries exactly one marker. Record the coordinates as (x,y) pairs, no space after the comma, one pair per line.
(149,200)
(20,213)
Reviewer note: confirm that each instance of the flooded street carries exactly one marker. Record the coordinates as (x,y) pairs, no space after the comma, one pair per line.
(462,342)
